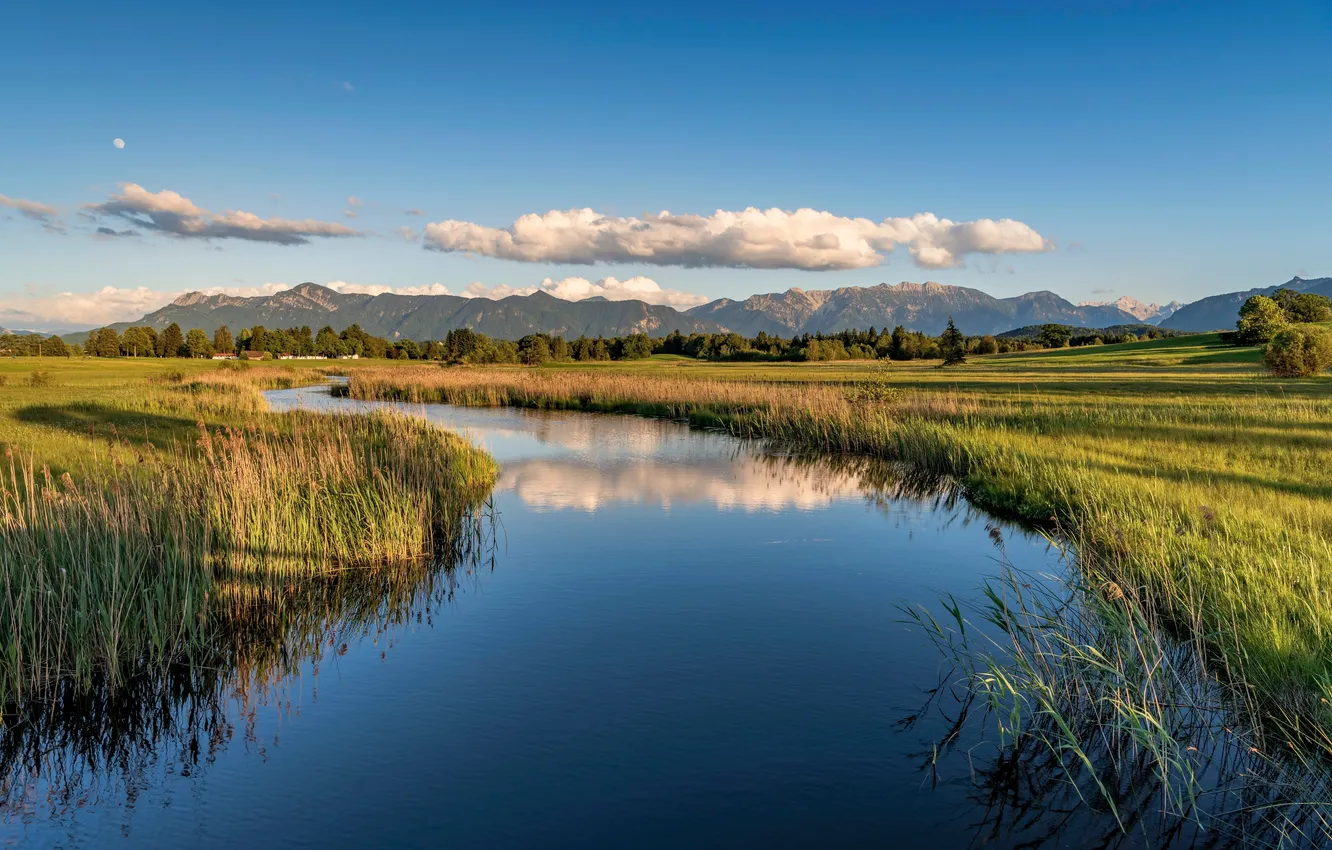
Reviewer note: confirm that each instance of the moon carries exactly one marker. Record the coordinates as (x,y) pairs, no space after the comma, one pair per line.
(119,143)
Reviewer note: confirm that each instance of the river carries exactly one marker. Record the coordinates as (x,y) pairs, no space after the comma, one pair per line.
(673,638)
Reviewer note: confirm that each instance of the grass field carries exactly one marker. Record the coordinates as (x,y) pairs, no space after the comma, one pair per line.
(1190,478)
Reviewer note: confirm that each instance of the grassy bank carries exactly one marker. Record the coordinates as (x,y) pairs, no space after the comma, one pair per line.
(1184,473)
(168,484)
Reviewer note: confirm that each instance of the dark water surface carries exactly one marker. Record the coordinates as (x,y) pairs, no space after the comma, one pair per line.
(681,640)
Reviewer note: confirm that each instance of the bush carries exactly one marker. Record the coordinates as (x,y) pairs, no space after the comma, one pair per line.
(1299,352)
(40,379)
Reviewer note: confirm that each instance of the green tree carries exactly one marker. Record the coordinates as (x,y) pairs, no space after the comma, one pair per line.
(53,346)
(898,346)
(636,347)
(987,345)
(197,344)
(559,349)
(104,343)
(1260,319)
(173,342)
(952,345)
(327,344)
(223,343)
(533,349)
(1303,306)
(139,342)
(1054,336)
(1299,352)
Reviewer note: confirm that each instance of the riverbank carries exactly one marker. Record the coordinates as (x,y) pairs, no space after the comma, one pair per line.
(129,494)
(1190,480)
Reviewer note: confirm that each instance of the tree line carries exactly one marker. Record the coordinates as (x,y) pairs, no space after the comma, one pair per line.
(464,345)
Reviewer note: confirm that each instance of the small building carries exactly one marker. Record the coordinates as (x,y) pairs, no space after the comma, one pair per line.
(253,355)
(349,357)
(226,356)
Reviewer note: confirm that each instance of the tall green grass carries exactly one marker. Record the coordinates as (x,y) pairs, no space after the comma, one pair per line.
(118,569)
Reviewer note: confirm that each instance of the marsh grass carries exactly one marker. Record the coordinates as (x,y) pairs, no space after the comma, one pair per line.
(1096,702)
(120,568)
(1211,505)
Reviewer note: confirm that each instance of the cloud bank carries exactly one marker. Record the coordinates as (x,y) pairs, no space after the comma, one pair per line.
(806,239)
(171,213)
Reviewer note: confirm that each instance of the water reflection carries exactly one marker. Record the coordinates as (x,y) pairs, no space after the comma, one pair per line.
(73,748)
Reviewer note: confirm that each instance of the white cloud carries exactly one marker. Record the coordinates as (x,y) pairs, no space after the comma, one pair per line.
(380,289)
(172,213)
(806,239)
(413,211)
(353,201)
(407,234)
(579,288)
(346,86)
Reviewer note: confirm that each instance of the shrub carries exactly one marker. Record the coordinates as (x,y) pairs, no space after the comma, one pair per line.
(40,379)
(1299,352)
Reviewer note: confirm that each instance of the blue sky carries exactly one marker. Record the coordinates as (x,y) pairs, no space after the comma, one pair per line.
(1159,150)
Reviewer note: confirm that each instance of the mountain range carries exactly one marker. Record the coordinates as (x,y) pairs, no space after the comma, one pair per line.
(917,306)
(421,316)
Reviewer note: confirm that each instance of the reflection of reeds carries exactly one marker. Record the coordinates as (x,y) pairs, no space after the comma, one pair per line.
(84,744)
(116,571)
(1097,704)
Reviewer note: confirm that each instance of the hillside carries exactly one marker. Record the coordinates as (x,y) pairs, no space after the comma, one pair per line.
(420,316)
(917,306)
(1033,331)
(1220,312)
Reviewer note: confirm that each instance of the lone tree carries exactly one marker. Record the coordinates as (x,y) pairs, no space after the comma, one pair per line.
(952,345)
(1260,319)
(1054,336)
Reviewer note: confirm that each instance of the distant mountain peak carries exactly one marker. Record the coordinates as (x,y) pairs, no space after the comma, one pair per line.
(1137,309)
(189,299)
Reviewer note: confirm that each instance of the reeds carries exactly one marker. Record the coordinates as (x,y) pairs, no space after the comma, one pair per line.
(120,569)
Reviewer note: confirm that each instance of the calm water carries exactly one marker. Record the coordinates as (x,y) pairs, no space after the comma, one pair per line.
(677,640)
